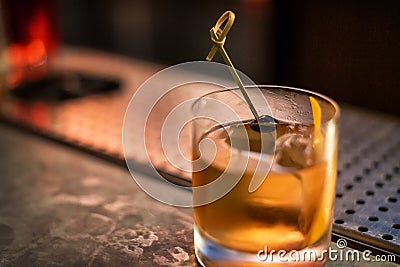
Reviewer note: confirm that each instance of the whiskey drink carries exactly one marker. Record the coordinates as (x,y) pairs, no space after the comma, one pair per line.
(290,210)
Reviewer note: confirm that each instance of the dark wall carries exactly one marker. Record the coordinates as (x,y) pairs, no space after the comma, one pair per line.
(172,31)
(349,50)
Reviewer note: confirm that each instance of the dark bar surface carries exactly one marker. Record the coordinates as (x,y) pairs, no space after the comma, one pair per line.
(60,206)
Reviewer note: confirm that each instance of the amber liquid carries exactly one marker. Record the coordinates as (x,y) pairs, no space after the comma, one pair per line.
(291,210)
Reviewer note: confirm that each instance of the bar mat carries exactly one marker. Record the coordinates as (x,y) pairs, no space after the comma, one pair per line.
(367,205)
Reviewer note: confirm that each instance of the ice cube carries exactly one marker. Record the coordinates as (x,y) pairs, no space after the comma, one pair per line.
(244,137)
(294,150)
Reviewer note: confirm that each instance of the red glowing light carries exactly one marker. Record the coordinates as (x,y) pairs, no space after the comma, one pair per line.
(36,52)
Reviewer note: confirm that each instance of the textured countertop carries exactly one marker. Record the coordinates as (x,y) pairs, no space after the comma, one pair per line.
(61,207)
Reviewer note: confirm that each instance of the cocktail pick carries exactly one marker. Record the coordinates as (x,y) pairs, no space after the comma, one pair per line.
(218,37)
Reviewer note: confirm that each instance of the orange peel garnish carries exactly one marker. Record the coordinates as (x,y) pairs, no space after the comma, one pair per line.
(322,214)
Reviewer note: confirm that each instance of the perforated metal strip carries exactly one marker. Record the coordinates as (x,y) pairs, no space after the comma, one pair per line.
(367,206)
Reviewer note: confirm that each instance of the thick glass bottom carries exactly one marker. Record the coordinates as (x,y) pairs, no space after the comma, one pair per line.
(210,254)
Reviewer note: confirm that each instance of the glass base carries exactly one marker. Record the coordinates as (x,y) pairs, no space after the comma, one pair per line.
(209,253)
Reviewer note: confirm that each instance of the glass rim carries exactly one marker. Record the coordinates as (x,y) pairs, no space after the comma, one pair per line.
(335,105)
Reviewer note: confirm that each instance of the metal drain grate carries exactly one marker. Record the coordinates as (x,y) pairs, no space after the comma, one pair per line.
(367,206)
(368,185)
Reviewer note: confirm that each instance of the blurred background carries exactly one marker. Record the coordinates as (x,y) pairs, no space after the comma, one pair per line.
(349,50)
